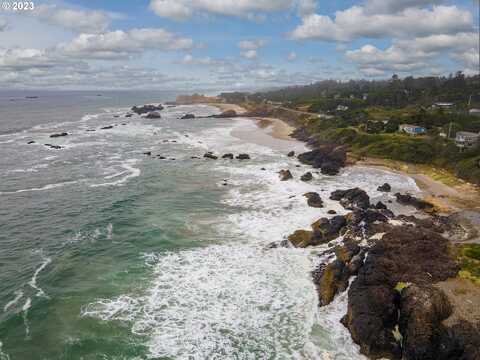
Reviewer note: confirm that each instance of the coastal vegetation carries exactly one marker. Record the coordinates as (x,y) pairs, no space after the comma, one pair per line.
(366,115)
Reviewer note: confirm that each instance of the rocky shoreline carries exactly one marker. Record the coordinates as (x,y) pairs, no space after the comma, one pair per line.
(391,266)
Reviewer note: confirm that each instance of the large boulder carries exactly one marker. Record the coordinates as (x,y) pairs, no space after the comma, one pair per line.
(188,116)
(228,156)
(243,157)
(210,155)
(404,255)
(422,310)
(326,229)
(352,199)
(314,200)
(330,279)
(328,158)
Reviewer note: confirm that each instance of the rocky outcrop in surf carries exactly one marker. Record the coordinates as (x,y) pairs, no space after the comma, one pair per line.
(328,158)
(145,109)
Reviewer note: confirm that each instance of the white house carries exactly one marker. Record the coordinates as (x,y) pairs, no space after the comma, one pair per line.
(466,139)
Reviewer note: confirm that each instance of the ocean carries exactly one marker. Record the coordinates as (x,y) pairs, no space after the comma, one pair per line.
(108,253)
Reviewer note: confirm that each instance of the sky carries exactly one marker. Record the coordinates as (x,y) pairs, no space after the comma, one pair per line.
(230,45)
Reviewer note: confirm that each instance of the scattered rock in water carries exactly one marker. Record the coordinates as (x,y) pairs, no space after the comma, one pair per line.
(326,230)
(352,199)
(145,109)
(298,166)
(279,244)
(291,154)
(153,115)
(194,157)
(56,147)
(385,188)
(161,157)
(210,155)
(31,142)
(148,153)
(307,177)
(417,203)
(331,212)
(188,116)
(243,157)
(59,135)
(90,130)
(263,169)
(285,175)
(128,115)
(314,200)
(107,127)
(227,156)
(116,116)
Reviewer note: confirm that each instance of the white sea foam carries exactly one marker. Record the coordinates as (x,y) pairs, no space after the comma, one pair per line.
(33,281)
(129,173)
(109,231)
(3,355)
(25,308)
(18,295)
(236,300)
(43,188)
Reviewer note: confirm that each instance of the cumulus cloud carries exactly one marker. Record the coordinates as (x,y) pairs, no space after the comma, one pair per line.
(78,20)
(355,23)
(206,61)
(393,6)
(250,48)
(250,9)
(415,54)
(121,44)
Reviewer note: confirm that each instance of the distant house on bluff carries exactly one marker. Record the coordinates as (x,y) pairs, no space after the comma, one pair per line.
(412,129)
(466,139)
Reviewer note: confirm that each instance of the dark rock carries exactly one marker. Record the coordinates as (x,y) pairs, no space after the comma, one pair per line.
(107,127)
(243,157)
(31,142)
(352,199)
(291,154)
(153,115)
(188,116)
(330,279)
(417,203)
(128,115)
(209,155)
(279,244)
(59,135)
(263,169)
(381,206)
(460,341)
(145,109)
(90,130)
(161,157)
(331,212)
(56,147)
(326,230)
(404,255)
(422,309)
(328,158)
(149,153)
(314,200)
(307,177)
(385,188)
(227,156)
(116,116)
(285,175)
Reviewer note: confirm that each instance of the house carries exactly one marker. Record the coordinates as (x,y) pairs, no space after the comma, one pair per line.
(466,139)
(443,105)
(475,112)
(412,129)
